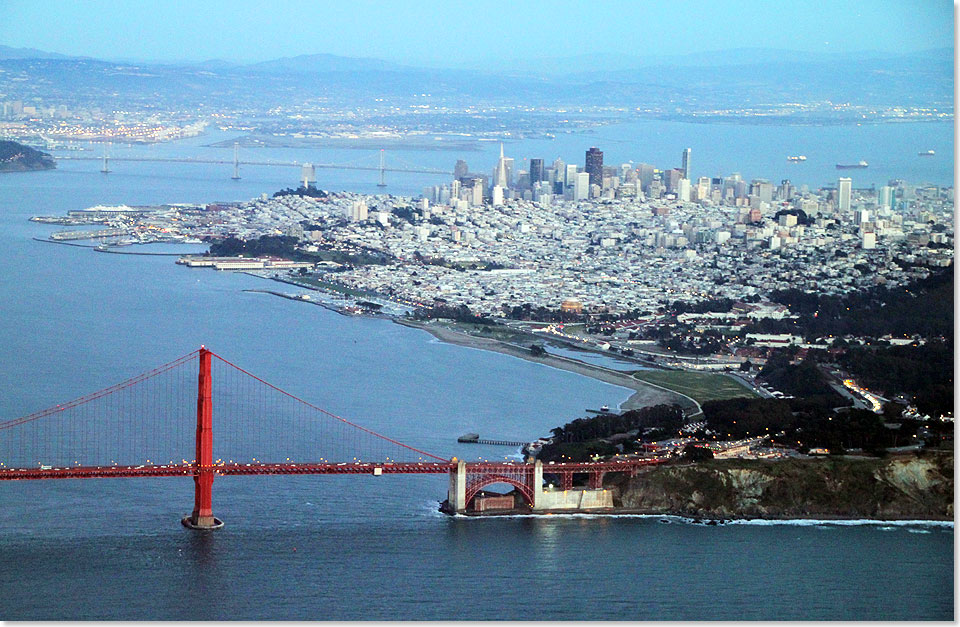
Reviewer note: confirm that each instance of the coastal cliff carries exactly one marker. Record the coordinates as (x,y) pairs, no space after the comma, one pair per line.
(898,488)
(15,157)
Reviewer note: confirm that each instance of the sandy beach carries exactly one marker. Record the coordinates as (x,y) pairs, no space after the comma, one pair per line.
(644,395)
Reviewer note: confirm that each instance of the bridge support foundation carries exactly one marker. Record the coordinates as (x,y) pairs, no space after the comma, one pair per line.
(457,493)
(202,516)
(537,485)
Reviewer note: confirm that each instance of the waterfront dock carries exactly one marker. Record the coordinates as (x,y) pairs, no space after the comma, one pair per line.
(474,438)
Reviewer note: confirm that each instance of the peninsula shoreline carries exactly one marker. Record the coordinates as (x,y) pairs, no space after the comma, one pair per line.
(644,394)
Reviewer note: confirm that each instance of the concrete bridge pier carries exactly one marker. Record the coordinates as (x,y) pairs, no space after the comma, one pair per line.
(537,485)
(457,493)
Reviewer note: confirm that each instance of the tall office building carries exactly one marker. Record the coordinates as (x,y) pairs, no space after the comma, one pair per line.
(570,178)
(844,189)
(476,193)
(460,170)
(671,180)
(581,186)
(645,174)
(685,165)
(594,166)
(785,191)
(500,172)
(560,168)
(763,189)
(536,171)
(885,197)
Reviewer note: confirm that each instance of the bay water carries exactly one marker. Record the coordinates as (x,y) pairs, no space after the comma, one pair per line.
(354,547)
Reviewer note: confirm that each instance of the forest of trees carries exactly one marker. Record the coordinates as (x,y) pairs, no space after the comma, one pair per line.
(799,424)
(579,439)
(459,313)
(872,313)
(923,372)
(312,192)
(803,380)
(284,246)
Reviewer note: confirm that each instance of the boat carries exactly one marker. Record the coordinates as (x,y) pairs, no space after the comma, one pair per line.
(927,153)
(852,166)
(797,158)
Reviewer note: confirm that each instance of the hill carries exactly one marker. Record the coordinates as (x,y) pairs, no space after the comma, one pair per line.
(15,157)
(901,488)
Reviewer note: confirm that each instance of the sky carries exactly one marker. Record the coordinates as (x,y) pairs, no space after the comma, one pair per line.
(451,33)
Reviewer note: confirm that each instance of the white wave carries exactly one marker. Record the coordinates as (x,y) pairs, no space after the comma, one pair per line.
(815,522)
(886,525)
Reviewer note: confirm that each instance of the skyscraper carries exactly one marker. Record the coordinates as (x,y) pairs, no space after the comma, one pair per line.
(886,197)
(594,166)
(508,169)
(581,186)
(536,171)
(671,180)
(476,193)
(460,170)
(844,188)
(500,172)
(685,165)
(645,174)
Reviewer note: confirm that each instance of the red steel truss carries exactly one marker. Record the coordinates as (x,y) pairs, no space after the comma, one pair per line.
(204,466)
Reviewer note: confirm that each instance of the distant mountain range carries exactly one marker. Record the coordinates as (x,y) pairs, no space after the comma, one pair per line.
(741,77)
(546,66)
(6,52)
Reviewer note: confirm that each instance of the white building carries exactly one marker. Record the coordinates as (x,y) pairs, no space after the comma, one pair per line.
(844,189)
(497,195)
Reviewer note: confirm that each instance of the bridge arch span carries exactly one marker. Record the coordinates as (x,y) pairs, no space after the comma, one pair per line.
(480,482)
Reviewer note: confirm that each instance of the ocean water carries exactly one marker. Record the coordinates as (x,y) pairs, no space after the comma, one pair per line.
(342,547)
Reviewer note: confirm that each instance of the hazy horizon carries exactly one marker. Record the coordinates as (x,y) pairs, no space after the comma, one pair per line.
(437,34)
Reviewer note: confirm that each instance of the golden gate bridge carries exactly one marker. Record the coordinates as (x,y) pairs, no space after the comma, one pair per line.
(161,424)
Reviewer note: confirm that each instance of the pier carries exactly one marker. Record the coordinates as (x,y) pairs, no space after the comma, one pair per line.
(474,438)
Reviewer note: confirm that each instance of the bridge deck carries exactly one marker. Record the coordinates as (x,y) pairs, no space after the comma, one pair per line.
(309,468)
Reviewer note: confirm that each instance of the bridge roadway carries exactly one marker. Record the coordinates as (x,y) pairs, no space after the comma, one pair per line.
(312,468)
(325,166)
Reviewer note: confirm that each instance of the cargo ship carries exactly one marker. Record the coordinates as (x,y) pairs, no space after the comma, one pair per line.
(797,158)
(852,166)
(926,153)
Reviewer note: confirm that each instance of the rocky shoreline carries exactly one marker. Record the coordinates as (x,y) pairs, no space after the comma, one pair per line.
(903,487)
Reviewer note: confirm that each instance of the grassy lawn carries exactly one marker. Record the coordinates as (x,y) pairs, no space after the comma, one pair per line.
(334,288)
(495,332)
(701,386)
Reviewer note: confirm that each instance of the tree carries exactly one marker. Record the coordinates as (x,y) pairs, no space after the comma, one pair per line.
(746,366)
(697,453)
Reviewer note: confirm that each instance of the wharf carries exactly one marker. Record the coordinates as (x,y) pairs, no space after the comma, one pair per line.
(473,438)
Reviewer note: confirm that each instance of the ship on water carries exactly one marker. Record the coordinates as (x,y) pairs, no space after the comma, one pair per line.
(797,158)
(852,166)
(926,153)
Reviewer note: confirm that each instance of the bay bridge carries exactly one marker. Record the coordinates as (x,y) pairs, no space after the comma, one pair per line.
(161,424)
(364,163)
